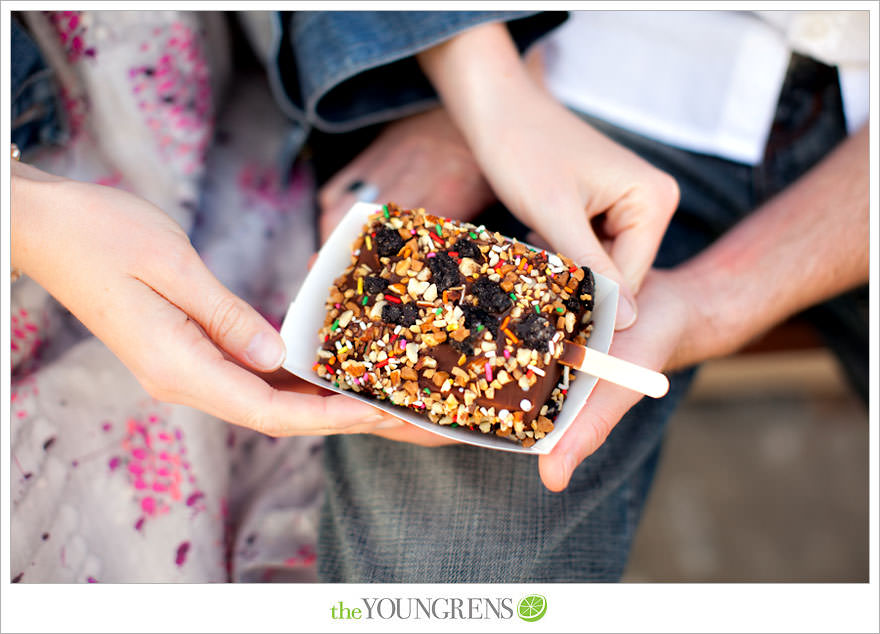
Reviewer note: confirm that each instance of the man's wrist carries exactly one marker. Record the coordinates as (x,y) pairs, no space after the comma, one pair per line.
(710,327)
(801,247)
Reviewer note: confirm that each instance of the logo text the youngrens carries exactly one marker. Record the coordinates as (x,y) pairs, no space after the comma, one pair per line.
(435,608)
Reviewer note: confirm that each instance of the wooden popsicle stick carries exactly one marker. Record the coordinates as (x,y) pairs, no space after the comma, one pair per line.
(618,371)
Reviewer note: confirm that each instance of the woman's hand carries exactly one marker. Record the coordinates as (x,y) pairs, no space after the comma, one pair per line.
(129,273)
(418,161)
(590,198)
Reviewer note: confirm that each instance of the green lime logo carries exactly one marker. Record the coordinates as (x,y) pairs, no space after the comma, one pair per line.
(532,608)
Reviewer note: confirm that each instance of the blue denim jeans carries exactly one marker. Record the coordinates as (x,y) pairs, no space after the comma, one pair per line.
(401,513)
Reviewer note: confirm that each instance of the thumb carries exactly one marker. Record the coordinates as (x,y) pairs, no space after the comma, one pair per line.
(580,244)
(228,320)
(606,406)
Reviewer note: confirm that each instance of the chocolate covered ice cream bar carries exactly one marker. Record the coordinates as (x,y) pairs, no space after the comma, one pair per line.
(455,322)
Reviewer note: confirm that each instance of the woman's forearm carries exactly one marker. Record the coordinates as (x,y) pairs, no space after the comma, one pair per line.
(474,73)
(27,211)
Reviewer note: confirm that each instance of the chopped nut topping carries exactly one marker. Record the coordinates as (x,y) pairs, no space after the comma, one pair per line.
(430,293)
(544,424)
(439,378)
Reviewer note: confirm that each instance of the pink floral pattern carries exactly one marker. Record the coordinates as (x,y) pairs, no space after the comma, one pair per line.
(153,456)
(173,92)
(73,34)
(26,337)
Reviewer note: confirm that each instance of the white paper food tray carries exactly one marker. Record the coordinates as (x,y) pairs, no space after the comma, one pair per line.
(306,316)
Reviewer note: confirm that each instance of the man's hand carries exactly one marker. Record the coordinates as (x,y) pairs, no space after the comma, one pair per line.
(129,273)
(806,245)
(419,161)
(653,342)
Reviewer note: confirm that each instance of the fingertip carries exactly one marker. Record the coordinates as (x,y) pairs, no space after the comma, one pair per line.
(627,312)
(266,351)
(554,472)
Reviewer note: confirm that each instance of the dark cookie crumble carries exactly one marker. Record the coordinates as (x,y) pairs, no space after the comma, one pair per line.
(388,242)
(583,296)
(535,332)
(444,270)
(375,284)
(490,296)
(401,314)
(467,248)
